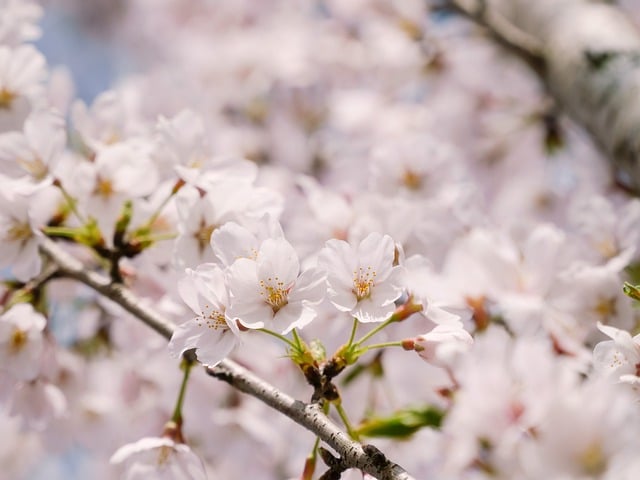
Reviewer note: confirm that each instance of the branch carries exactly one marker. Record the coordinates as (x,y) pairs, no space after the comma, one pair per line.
(366,458)
(591,57)
(504,32)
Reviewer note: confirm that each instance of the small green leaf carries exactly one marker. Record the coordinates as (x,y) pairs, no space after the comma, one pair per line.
(632,291)
(403,423)
(318,351)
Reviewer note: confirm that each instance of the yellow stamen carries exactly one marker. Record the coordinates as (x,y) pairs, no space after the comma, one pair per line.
(606,307)
(104,187)
(6,98)
(593,460)
(19,339)
(215,320)
(203,235)
(275,293)
(412,180)
(363,282)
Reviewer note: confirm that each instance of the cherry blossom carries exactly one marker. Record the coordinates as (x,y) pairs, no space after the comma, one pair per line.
(270,292)
(158,457)
(35,151)
(363,280)
(22,341)
(618,358)
(442,345)
(211,333)
(22,72)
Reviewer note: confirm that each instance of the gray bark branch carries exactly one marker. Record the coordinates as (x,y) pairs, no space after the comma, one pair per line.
(589,58)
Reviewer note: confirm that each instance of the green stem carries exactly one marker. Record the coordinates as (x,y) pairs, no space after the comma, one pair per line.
(281,337)
(70,201)
(177,412)
(383,325)
(354,327)
(154,216)
(365,349)
(156,238)
(343,416)
(67,232)
(297,339)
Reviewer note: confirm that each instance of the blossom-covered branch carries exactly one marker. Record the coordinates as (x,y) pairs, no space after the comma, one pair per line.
(367,458)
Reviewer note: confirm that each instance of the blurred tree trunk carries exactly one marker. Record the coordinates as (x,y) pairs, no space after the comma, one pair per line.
(588,54)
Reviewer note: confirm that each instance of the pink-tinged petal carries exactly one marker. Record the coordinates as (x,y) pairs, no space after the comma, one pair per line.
(37,403)
(444,344)
(142,445)
(367,312)
(287,318)
(343,299)
(377,251)
(217,347)
(611,360)
(212,344)
(311,287)
(339,260)
(621,337)
(251,315)
(232,241)
(242,279)
(277,258)
(385,293)
(188,291)
(298,318)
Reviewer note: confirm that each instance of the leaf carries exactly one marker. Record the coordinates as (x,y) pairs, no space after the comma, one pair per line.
(403,423)
(632,291)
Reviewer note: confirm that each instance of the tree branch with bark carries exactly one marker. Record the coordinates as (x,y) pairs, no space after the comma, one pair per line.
(588,55)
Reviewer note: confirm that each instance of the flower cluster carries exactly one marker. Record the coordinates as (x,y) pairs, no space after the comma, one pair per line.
(310,176)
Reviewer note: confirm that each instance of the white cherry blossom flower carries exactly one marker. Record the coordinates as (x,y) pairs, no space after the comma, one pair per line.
(34,151)
(158,458)
(120,172)
(38,403)
(200,214)
(20,215)
(22,72)
(233,241)
(444,344)
(21,341)
(17,23)
(269,292)
(363,280)
(618,358)
(210,332)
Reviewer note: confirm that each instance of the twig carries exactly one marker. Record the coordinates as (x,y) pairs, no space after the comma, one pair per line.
(367,458)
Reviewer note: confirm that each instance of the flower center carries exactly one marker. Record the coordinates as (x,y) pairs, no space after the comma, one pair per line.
(6,99)
(275,293)
(605,308)
(19,339)
(19,232)
(593,460)
(35,167)
(203,235)
(607,247)
(104,187)
(412,180)
(363,282)
(215,320)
